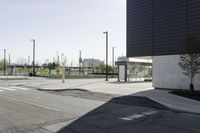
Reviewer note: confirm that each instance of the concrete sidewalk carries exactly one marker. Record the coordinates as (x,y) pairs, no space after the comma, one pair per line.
(143,89)
(94,85)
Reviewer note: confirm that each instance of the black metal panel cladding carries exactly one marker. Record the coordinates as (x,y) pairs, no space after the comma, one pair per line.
(161,27)
(194,18)
(139,27)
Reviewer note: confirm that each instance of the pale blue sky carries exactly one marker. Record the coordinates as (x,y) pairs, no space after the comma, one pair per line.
(66,26)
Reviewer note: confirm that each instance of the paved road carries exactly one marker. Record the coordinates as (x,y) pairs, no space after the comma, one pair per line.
(25,110)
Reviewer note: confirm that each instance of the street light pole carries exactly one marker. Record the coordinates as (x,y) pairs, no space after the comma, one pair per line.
(80,61)
(106,54)
(63,62)
(28,60)
(4,68)
(113,59)
(33,57)
(9,60)
(113,56)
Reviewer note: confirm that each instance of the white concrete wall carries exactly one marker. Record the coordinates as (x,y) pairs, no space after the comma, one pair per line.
(168,75)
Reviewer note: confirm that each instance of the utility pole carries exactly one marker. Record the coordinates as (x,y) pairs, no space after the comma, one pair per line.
(9,60)
(113,56)
(28,60)
(106,54)
(113,59)
(80,60)
(33,57)
(63,61)
(58,59)
(71,63)
(4,68)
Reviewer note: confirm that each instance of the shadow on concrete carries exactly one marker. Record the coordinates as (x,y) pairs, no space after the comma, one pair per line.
(111,116)
(128,82)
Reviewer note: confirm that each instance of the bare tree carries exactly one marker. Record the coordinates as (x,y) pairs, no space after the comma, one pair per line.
(190,62)
(21,61)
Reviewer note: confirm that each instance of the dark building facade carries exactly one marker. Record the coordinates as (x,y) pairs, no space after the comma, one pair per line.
(161,27)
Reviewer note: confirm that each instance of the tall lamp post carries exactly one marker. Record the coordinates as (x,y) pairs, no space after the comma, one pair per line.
(28,60)
(9,60)
(33,40)
(80,61)
(113,56)
(4,67)
(113,59)
(106,54)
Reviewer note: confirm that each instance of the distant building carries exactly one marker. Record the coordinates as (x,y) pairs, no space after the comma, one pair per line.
(91,62)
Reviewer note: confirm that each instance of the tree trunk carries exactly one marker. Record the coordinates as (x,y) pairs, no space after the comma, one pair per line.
(191,85)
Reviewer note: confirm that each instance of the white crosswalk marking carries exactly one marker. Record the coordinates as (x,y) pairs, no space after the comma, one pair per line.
(20,88)
(12,88)
(137,116)
(4,88)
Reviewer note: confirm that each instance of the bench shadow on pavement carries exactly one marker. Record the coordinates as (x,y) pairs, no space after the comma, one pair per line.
(108,117)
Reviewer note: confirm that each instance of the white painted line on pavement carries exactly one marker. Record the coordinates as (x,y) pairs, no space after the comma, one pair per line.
(38,105)
(4,88)
(137,116)
(20,88)
(149,113)
(129,118)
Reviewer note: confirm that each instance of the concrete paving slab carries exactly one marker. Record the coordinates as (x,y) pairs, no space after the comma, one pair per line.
(95,85)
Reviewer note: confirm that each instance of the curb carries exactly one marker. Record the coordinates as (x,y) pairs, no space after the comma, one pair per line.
(14,79)
(76,89)
(31,87)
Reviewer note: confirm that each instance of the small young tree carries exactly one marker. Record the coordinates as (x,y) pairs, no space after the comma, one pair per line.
(1,64)
(190,62)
